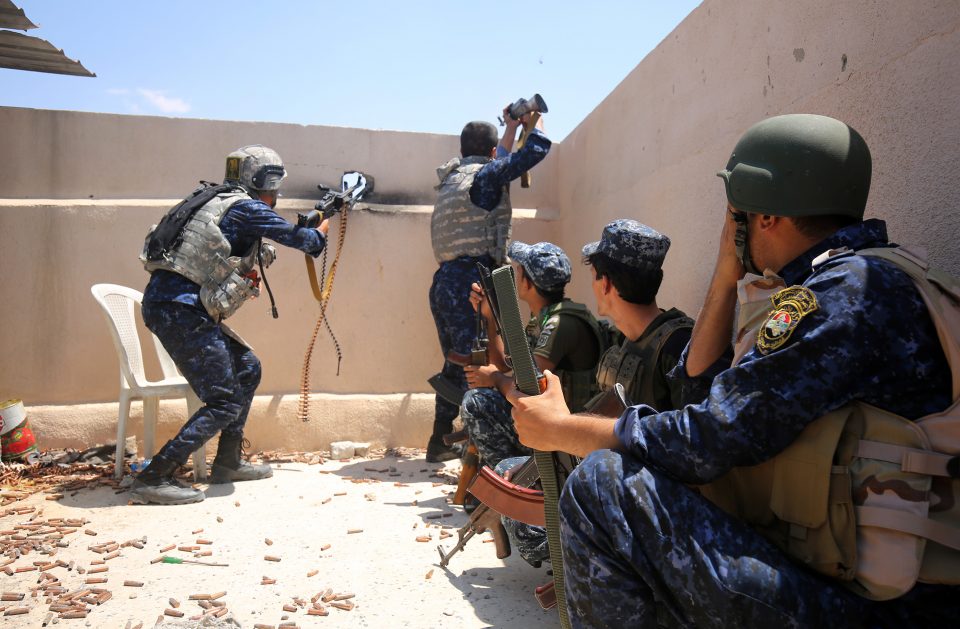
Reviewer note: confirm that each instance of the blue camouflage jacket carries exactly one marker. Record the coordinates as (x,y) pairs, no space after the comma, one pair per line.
(489,182)
(871,339)
(243,224)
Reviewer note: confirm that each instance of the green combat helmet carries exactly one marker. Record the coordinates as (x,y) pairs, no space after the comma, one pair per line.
(799,165)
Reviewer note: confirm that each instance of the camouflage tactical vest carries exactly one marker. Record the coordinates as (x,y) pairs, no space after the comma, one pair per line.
(460,228)
(633,364)
(578,386)
(863,495)
(203,256)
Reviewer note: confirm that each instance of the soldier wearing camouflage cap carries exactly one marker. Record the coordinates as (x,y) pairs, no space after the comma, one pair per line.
(470,224)
(201,271)
(564,336)
(626,270)
(844,334)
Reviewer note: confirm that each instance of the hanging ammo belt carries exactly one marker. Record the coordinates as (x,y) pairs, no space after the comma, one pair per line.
(354,186)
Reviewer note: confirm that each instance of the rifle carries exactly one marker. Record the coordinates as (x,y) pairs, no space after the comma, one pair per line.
(471,459)
(354,185)
(485,518)
(478,355)
(530,381)
(517,501)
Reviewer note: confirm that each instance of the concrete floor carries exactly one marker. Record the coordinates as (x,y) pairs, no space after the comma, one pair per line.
(396,580)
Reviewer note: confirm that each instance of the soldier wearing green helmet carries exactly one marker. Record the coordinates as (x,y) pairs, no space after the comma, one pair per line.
(758,507)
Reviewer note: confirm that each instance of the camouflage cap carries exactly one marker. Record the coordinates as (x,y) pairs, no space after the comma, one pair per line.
(547,266)
(631,243)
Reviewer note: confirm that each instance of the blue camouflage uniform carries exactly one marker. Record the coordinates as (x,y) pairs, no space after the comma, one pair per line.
(486,412)
(450,291)
(663,555)
(636,245)
(222,372)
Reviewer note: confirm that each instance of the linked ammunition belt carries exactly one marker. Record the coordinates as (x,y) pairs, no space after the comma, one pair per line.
(323,298)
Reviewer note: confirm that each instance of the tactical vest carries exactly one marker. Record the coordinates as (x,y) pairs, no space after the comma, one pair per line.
(203,256)
(460,228)
(633,363)
(863,495)
(578,386)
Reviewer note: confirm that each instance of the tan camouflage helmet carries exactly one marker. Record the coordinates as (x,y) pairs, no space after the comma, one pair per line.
(255,167)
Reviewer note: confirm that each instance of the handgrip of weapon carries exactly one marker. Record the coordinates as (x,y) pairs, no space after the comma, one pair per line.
(490,521)
(525,178)
(310,219)
(471,461)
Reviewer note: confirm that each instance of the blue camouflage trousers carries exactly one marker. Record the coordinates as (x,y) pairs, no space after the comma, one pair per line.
(529,541)
(486,416)
(456,327)
(641,549)
(222,372)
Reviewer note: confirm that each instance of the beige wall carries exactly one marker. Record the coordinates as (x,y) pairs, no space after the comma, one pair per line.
(78,191)
(651,149)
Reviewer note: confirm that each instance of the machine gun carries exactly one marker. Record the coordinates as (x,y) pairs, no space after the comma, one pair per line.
(354,185)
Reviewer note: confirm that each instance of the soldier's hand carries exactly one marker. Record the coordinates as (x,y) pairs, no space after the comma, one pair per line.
(509,120)
(480,376)
(729,269)
(324,226)
(478,299)
(539,418)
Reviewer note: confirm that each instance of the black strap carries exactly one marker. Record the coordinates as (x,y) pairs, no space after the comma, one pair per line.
(266,284)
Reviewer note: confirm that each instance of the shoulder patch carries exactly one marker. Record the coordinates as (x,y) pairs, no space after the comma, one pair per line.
(546,332)
(790,306)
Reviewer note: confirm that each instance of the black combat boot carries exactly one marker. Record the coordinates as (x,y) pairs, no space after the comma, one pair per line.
(229,467)
(155,484)
(438,451)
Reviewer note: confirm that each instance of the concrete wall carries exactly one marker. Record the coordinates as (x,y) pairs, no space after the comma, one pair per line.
(651,149)
(78,191)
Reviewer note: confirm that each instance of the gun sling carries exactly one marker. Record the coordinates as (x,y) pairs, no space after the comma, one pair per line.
(528,381)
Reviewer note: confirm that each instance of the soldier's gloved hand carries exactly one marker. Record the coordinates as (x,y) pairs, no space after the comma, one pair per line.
(268,253)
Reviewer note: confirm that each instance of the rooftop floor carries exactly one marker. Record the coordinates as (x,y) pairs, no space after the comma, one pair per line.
(350,527)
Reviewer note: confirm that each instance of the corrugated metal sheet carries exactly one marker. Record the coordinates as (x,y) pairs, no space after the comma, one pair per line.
(13,17)
(22,52)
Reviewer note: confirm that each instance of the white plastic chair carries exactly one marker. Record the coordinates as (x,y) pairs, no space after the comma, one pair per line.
(118,303)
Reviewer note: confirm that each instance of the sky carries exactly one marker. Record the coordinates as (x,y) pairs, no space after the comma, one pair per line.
(422,66)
